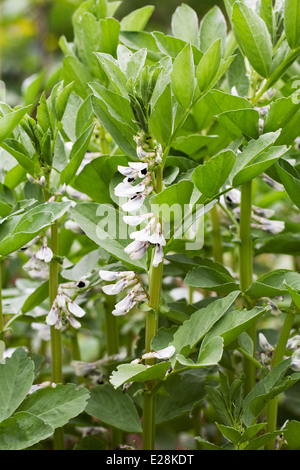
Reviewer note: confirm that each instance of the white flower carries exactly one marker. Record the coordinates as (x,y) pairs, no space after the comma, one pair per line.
(126,304)
(114,275)
(34,264)
(75,309)
(134,220)
(73,226)
(135,203)
(44,253)
(54,317)
(113,289)
(165,353)
(73,322)
(294,342)
(158,255)
(157,237)
(264,343)
(136,249)
(233,197)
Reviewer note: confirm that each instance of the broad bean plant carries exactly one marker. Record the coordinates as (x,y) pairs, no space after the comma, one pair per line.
(149,236)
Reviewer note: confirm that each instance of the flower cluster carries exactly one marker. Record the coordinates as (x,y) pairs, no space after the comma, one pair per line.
(124,280)
(260,217)
(136,186)
(64,308)
(37,266)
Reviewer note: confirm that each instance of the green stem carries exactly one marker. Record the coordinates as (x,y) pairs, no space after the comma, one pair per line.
(217,238)
(246,271)
(2,346)
(55,334)
(149,403)
(1,308)
(278,356)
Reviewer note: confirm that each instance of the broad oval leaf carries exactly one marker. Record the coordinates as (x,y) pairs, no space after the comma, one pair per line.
(253,37)
(114,408)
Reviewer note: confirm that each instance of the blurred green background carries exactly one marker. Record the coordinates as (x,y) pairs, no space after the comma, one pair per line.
(30,30)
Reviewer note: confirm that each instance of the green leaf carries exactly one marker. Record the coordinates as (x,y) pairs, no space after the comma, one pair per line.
(137,19)
(96,176)
(138,373)
(211,176)
(213,26)
(114,408)
(170,203)
(62,100)
(231,325)
(75,71)
(7,200)
(20,153)
(240,122)
(284,114)
(291,434)
(253,150)
(210,275)
(210,354)
(16,377)
(292,22)
(171,46)
(23,430)
(112,69)
(253,37)
(10,120)
(18,230)
(230,433)
(175,402)
(290,178)
(36,298)
(103,224)
(264,386)
(273,284)
(161,118)
(208,66)
(56,406)
(185,24)
(259,165)
(183,77)
(199,323)
(76,155)
(121,132)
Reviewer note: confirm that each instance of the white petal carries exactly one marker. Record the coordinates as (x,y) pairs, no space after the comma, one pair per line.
(134,204)
(125,170)
(123,189)
(138,254)
(75,309)
(134,246)
(141,235)
(134,220)
(158,256)
(61,300)
(73,322)
(52,316)
(165,353)
(45,254)
(109,275)
(113,289)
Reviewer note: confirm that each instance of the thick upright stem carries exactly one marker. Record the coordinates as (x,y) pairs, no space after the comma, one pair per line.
(149,404)
(55,334)
(246,271)
(2,346)
(277,358)
(217,239)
